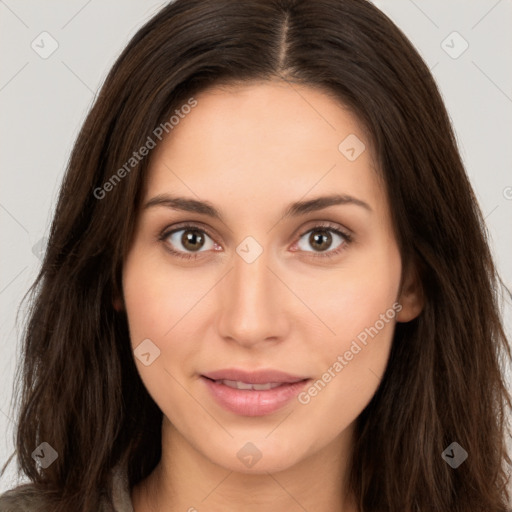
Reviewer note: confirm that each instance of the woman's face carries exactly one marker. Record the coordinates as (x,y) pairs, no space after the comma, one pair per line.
(281,289)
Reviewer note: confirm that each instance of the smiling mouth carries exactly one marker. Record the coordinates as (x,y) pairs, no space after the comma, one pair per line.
(268,392)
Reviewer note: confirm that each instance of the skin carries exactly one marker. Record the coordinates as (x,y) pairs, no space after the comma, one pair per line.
(251,150)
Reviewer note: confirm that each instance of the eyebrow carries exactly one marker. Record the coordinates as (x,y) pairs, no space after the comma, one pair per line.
(294,210)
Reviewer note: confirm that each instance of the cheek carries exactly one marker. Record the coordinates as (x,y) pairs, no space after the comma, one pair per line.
(155,298)
(161,306)
(155,301)
(355,297)
(350,365)
(359,305)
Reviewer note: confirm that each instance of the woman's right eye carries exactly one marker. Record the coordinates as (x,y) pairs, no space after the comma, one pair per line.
(190,238)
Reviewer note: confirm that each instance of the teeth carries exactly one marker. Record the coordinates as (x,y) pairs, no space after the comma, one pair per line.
(237,384)
(269,385)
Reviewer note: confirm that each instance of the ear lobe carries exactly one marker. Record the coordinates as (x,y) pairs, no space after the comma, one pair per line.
(118,304)
(411,297)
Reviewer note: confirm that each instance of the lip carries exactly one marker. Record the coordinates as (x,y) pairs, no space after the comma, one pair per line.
(253,402)
(253,377)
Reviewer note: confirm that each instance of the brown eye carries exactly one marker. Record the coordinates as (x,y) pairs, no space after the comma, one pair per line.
(187,240)
(321,240)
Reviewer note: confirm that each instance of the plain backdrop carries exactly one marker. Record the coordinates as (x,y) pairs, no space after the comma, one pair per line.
(45,96)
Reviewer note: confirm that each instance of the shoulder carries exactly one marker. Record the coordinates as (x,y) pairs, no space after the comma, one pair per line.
(27,498)
(24,498)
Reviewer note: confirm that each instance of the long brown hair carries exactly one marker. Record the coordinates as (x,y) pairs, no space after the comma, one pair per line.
(78,386)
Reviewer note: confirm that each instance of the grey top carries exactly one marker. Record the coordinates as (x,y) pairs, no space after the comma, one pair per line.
(24,498)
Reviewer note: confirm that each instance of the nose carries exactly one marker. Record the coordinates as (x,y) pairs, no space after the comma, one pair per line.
(253,304)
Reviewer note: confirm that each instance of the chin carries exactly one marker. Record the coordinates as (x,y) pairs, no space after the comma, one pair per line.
(257,457)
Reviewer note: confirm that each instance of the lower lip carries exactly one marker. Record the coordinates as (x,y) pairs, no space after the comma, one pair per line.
(251,402)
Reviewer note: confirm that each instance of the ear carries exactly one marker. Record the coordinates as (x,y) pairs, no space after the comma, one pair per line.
(411,296)
(118,304)
(117,300)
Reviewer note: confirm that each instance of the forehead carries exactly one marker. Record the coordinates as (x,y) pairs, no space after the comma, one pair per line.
(261,142)
(258,111)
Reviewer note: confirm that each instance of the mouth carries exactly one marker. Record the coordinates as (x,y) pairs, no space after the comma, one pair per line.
(253,393)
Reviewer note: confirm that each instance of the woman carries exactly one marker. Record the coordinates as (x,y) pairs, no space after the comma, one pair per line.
(267,285)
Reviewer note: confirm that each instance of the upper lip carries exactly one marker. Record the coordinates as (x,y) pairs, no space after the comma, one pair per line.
(253,377)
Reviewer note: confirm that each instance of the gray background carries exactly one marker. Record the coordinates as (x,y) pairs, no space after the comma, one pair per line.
(44,101)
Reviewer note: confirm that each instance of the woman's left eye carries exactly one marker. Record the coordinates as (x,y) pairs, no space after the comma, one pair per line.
(194,238)
(321,236)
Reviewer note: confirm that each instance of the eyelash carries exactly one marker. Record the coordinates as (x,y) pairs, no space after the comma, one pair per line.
(347,239)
